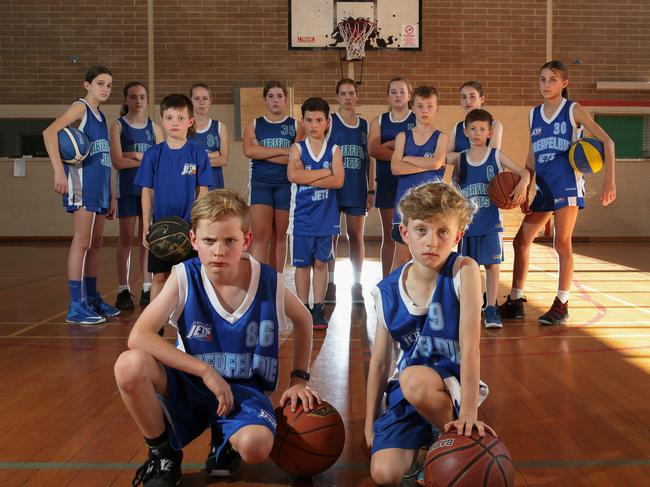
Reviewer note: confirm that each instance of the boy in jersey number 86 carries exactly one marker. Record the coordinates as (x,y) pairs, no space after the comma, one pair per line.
(227,309)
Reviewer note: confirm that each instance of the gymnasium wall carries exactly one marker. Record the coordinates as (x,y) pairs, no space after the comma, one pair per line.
(233,43)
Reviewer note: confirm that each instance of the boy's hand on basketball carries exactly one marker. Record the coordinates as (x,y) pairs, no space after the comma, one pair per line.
(609,192)
(145,235)
(518,194)
(300,393)
(465,425)
(221,390)
(60,183)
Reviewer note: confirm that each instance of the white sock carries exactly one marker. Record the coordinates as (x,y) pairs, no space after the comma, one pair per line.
(563,296)
(516,293)
(330,278)
(146,286)
(357,276)
(121,288)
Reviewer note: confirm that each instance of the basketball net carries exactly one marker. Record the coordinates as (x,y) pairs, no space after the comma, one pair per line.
(355,33)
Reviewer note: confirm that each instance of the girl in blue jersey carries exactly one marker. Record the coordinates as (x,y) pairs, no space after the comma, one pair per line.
(86,190)
(474,169)
(228,310)
(267,140)
(210,134)
(350,133)
(381,143)
(131,135)
(471,98)
(419,157)
(421,300)
(554,126)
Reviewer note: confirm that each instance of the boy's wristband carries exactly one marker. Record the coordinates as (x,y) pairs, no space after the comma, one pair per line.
(371,191)
(301,374)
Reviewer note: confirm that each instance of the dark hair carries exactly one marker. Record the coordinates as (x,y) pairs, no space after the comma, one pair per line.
(425,92)
(178,101)
(274,84)
(125,108)
(409,88)
(198,85)
(560,68)
(473,84)
(315,104)
(95,71)
(345,81)
(478,115)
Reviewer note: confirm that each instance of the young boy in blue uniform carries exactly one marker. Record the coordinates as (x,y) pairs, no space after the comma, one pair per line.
(227,309)
(474,169)
(419,307)
(419,156)
(172,174)
(315,169)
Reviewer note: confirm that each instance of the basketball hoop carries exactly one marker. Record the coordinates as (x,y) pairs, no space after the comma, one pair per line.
(355,33)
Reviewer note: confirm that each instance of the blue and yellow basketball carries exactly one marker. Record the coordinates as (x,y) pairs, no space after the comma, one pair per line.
(587,155)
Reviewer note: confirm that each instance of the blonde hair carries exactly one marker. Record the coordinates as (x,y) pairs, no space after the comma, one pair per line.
(219,204)
(435,201)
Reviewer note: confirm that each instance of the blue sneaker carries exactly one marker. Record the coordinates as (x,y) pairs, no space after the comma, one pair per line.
(102,307)
(83,314)
(492,318)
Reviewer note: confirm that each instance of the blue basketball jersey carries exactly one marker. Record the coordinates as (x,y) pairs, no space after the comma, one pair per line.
(475,176)
(209,139)
(277,135)
(389,129)
(133,139)
(89,183)
(353,142)
(552,138)
(314,212)
(174,175)
(399,314)
(408,181)
(438,343)
(243,345)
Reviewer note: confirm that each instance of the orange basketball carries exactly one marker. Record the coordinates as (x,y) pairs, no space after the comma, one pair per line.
(307,443)
(500,188)
(466,462)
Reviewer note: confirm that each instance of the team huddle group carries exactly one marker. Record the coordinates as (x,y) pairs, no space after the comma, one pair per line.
(228,300)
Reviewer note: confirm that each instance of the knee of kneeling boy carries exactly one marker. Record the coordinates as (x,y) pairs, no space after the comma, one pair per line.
(254,448)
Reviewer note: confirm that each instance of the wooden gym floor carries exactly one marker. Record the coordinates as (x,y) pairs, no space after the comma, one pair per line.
(571,403)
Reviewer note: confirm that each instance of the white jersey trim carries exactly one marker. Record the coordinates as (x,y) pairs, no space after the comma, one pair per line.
(345,124)
(136,127)
(279,303)
(390,117)
(98,115)
(413,308)
(271,121)
(248,300)
(555,114)
(482,161)
(207,127)
(181,275)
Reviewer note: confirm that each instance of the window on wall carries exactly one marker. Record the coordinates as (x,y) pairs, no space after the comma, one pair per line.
(23,137)
(631,134)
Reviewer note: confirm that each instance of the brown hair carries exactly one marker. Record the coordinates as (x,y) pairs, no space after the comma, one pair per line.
(274,84)
(199,85)
(125,108)
(346,81)
(178,101)
(473,84)
(218,204)
(479,115)
(435,200)
(558,67)
(425,92)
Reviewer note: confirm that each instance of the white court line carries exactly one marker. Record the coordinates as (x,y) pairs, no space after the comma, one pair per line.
(591,289)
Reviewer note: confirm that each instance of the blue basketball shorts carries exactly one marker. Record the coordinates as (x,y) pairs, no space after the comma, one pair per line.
(277,196)
(484,249)
(401,426)
(129,206)
(395,235)
(92,209)
(305,250)
(217,179)
(558,188)
(353,210)
(190,408)
(385,193)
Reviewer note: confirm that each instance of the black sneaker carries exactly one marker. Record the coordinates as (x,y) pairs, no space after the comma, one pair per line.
(318,317)
(557,315)
(124,300)
(145,297)
(226,465)
(513,309)
(159,472)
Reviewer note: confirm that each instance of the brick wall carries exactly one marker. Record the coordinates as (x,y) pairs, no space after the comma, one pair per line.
(244,42)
